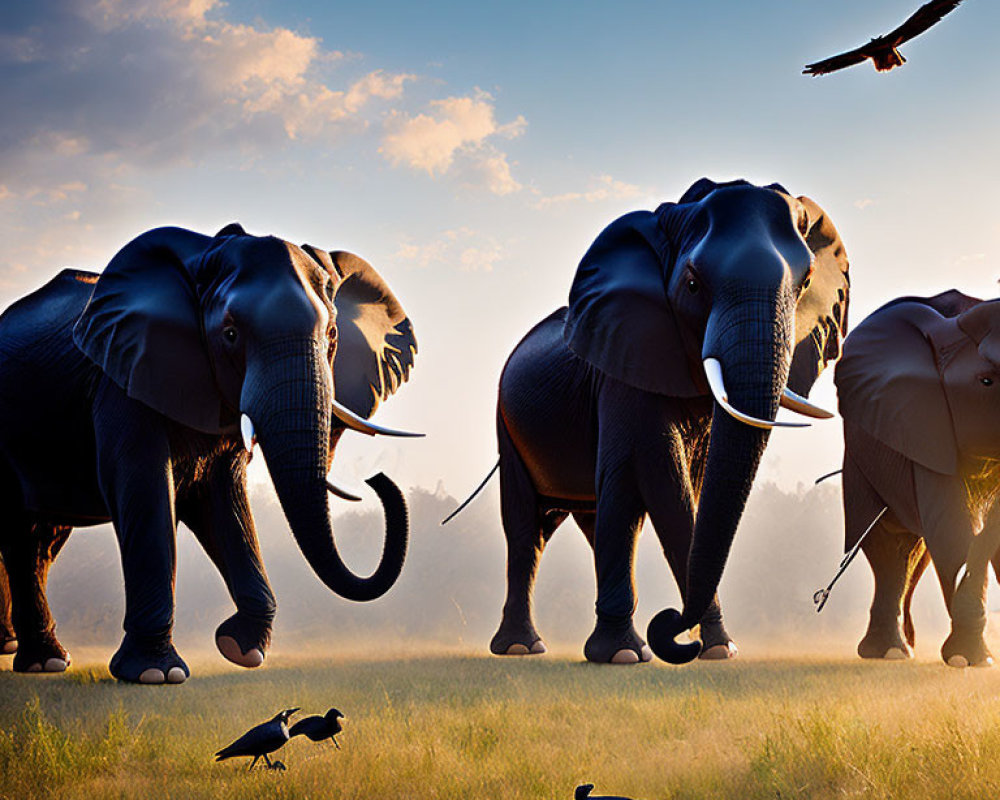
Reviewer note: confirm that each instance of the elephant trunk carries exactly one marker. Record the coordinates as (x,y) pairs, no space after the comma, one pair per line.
(287,394)
(751,339)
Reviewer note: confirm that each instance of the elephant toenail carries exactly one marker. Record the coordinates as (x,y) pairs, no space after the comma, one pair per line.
(34,668)
(151,675)
(895,654)
(538,647)
(625,657)
(517,650)
(176,675)
(647,654)
(958,661)
(55,665)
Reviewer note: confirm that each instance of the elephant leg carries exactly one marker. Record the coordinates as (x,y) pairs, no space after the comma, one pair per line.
(893,553)
(136,479)
(953,543)
(524,529)
(8,641)
(620,513)
(887,548)
(219,516)
(28,552)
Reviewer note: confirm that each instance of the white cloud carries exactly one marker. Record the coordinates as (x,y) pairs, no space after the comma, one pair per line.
(460,248)
(455,129)
(604,188)
(863,203)
(158,82)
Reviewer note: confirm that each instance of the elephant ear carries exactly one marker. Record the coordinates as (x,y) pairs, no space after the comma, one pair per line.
(888,383)
(375,341)
(143,327)
(619,317)
(821,313)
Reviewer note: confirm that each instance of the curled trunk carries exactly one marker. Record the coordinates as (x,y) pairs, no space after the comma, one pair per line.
(287,395)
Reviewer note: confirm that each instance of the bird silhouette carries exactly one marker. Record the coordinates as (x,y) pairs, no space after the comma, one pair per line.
(583,793)
(318,728)
(882,49)
(260,741)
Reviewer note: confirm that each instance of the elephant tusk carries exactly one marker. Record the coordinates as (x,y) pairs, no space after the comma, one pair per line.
(798,404)
(713,372)
(343,494)
(354,422)
(249,436)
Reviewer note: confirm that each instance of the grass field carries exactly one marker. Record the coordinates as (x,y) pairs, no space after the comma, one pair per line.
(468,726)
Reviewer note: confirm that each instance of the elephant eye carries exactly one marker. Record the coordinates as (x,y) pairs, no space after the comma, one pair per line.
(229,334)
(986,380)
(692,286)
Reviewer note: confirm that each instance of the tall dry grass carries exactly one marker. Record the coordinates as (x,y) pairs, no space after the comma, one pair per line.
(476,727)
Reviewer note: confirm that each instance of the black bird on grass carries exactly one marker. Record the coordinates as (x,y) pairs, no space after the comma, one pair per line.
(882,49)
(318,728)
(260,741)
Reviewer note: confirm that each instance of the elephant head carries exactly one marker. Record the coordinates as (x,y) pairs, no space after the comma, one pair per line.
(737,290)
(291,344)
(922,375)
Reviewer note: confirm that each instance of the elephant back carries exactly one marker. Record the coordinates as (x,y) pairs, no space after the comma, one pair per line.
(50,311)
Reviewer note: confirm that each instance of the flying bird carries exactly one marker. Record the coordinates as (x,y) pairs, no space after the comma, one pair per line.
(882,49)
(318,728)
(260,741)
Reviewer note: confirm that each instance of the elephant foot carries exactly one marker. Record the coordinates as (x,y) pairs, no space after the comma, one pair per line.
(243,640)
(968,650)
(715,643)
(149,660)
(40,655)
(719,652)
(520,640)
(886,645)
(616,642)
(8,646)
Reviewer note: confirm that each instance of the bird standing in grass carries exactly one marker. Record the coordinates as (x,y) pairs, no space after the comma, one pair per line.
(318,728)
(882,49)
(260,741)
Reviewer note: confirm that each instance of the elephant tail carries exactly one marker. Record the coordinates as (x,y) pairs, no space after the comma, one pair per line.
(472,496)
(822,478)
(820,597)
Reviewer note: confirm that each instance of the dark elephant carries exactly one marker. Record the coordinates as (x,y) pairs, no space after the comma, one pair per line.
(135,396)
(606,407)
(918,392)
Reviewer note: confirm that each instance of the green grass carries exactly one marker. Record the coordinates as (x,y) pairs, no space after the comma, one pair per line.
(478,727)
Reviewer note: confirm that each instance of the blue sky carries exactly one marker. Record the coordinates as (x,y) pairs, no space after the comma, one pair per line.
(471,152)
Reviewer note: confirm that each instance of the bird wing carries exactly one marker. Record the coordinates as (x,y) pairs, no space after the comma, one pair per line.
(264,738)
(832,64)
(923,18)
(928,15)
(238,748)
(307,725)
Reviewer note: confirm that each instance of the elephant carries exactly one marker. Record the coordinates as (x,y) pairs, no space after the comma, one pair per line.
(654,392)
(922,440)
(136,396)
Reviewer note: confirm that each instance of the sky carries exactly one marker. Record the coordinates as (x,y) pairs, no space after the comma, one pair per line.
(472,151)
